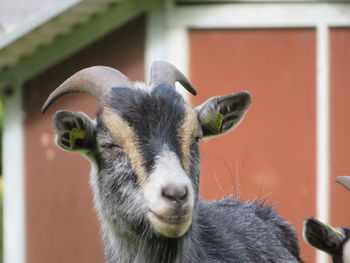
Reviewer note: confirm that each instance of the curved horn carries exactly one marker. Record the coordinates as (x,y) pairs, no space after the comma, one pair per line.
(164,72)
(344,180)
(95,81)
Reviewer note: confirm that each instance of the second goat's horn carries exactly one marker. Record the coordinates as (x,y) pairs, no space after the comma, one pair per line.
(344,181)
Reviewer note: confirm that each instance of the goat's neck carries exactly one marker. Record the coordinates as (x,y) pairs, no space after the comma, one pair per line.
(135,249)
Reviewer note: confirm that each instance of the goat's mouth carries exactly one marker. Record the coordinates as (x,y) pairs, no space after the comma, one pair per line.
(172,226)
(171,219)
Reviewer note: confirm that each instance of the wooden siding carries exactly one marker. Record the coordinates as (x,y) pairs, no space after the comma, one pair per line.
(340,122)
(272,153)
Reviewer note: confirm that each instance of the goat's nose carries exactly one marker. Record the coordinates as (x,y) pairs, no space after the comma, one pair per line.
(173,193)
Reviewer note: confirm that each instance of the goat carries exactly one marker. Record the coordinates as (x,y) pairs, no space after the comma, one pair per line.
(334,241)
(143,147)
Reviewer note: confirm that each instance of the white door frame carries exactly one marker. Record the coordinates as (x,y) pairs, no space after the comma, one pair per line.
(14,180)
(167,38)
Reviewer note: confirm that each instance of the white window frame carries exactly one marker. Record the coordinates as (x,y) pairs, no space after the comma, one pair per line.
(167,38)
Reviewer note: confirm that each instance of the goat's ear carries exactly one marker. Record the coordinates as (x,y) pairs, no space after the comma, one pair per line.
(75,131)
(323,236)
(219,115)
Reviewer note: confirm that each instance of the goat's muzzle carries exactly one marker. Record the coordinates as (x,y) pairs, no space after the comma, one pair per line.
(170,197)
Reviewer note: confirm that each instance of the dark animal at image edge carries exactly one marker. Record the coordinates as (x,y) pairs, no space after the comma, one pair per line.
(143,147)
(335,241)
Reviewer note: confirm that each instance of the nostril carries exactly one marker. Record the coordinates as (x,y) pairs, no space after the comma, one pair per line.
(184,196)
(176,194)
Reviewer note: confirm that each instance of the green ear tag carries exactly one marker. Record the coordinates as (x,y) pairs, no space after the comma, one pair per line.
(214,120)
(74,135)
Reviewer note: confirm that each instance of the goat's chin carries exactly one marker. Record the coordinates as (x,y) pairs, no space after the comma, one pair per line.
(170,227)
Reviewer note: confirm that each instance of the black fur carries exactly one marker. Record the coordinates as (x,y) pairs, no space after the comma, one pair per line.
(337,255)
(226,231)
(153,116)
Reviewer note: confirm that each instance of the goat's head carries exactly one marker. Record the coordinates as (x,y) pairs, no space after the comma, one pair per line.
(334,241)
(144,145)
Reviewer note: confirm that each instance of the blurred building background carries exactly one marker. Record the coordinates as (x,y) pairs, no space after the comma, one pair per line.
(14,13)
(293,56)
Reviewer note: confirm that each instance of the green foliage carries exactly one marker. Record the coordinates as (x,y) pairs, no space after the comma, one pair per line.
(1,186)
(1,126)
(1,223)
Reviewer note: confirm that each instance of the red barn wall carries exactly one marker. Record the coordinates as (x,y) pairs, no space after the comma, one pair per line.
(271,154)
(60,220)
(340,122)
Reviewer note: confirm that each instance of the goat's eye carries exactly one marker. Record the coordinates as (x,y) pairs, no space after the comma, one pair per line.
(110,146)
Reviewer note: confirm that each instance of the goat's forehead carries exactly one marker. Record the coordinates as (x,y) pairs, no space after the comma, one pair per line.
(153,115)
(146,122)
(139,105)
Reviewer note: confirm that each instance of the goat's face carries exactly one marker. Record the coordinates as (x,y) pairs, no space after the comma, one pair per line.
(147,146)
(144,145)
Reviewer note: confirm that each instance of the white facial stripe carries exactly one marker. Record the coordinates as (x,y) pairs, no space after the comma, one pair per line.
(167,171)
(346,252)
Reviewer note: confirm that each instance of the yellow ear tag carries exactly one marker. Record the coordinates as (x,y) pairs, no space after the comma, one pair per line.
(334,229)
(214,120)
(74,135)
(331,242)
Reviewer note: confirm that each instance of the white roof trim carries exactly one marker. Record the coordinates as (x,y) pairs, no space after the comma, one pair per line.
(40,19)
(46,26)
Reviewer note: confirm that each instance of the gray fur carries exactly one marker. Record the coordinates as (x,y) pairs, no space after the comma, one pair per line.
(228,230)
